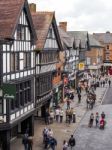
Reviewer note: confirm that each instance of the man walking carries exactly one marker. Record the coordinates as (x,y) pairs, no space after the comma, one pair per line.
(109,82)
(79,97)
(71,142)
(25,141)
(52,143)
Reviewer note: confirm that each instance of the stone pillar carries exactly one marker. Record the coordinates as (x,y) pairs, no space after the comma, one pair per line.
(31,125)
(6,140)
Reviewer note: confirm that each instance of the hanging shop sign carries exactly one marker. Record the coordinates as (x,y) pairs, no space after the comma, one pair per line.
(81,66)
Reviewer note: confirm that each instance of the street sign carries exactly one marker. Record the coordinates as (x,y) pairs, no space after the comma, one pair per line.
(81,66)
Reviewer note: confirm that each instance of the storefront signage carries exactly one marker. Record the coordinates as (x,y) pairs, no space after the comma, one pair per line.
(81,66)
(56,90)
(9,90)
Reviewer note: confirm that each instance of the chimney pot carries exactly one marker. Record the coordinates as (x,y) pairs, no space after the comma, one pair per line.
(32,7)
(63,25)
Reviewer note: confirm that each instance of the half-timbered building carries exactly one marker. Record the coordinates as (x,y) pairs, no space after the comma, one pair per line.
(17,68)
(47,58)
(82,45)
(70,46)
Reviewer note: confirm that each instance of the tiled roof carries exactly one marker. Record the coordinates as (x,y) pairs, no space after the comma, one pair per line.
(80,37)
(9,13)
(42,22)
(105,38)
(65,38)
(94,42)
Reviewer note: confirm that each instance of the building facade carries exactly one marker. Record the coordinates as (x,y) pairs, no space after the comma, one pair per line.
(94,57)
(71,56)
(48,68)
(17,43)
(106,40)
(81,45)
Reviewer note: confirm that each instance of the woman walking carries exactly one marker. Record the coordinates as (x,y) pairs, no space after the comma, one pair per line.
(97,119)
(91,120)
(65,145)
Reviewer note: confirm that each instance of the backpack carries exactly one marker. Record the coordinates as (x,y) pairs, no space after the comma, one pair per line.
(72,142)
(53,141)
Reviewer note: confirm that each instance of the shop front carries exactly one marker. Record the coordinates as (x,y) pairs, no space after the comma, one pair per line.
(57,94)
(95,69)
(43,104)
(72,82)
(79,76)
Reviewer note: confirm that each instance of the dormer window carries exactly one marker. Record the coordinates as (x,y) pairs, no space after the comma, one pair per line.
(21,32)
(50,33)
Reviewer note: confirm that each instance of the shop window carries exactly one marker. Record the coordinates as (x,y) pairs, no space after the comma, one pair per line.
(54,74)
(17,100)
(12,104)
(59,71)
(1,106)
(107,46)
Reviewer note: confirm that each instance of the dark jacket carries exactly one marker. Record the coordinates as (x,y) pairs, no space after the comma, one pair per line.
(71,141)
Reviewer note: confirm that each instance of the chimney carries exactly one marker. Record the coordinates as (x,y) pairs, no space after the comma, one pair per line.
(32,7)
(108,32)
(63,25)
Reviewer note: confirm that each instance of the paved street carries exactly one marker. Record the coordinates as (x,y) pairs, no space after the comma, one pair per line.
(94,138)
(108,97)
(61,131)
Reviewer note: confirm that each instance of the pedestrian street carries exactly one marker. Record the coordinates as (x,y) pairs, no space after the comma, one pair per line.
(94,138)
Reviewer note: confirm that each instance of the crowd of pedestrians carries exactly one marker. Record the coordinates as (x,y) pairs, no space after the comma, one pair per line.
(48,139)
(98,119)
(58,113)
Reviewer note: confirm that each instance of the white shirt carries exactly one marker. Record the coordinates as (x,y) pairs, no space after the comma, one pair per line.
(57,111)
(61,112)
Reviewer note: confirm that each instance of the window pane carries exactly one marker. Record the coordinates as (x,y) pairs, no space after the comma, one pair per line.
(28,60)
(25,60)
(12,104)
(19,32)
(16,61)
(12,61)
(1,106)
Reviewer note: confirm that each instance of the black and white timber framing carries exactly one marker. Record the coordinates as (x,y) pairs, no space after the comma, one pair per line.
(46,61)
(18,69)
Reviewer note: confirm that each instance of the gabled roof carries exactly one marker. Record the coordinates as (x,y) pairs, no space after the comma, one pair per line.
(66,40)
(42,22)
(105,38)
(80,37)
(10,11)
(93,42)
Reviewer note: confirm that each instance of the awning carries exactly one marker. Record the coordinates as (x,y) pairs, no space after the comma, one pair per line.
(107,64)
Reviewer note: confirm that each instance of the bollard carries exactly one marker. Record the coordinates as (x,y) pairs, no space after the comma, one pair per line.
(74,118)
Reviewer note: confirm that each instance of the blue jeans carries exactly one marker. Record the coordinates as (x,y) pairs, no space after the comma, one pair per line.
(25,146)
(53,147)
